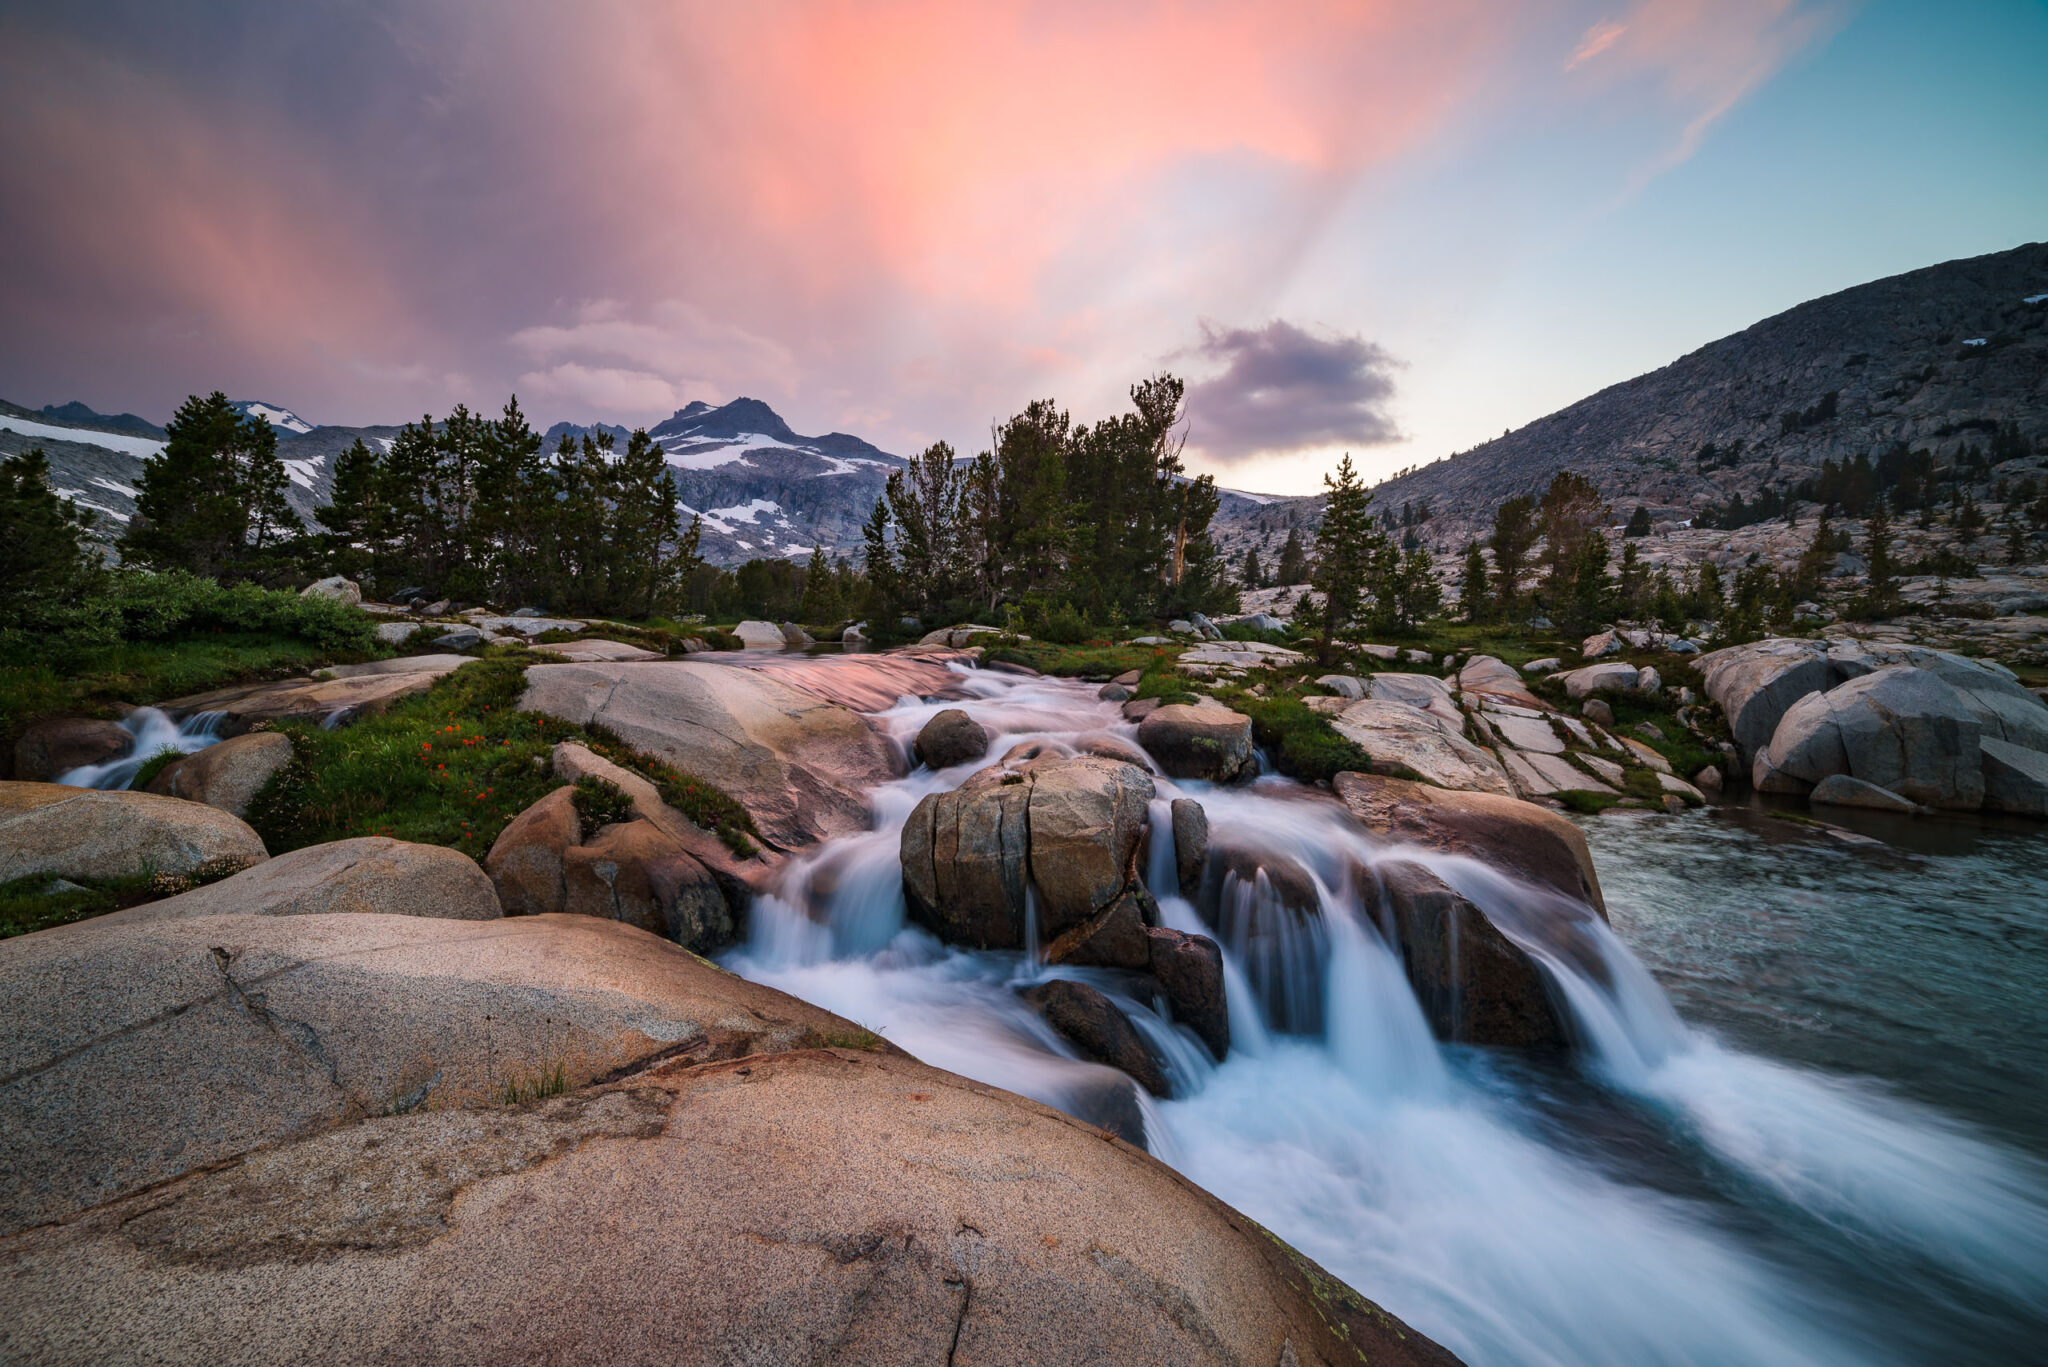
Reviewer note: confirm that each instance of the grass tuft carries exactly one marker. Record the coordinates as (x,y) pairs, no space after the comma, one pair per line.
(600,803)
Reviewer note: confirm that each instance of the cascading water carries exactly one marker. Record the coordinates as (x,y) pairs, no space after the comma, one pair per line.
(1668,1199)
(154,732)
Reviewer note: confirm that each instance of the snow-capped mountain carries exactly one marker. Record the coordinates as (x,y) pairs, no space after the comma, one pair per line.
(281,418)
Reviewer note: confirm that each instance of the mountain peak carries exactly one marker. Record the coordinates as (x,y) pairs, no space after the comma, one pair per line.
(275,414)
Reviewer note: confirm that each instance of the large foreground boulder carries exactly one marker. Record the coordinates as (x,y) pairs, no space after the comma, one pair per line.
(798,764)
(1061,831)
(136,1052)
(1901,728)
(369,875)
(821,1206)
(226,774)
(48,828)
(344,691)
(1530,842)
(2015,779)
(1199,742)
(1757,683)
(1474,984)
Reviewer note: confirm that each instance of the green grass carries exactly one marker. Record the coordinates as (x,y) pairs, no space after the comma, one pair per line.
(600,802)
(88,682)
(1511,645)
(154,765)
(1302,742)
(1584,802)
(452,766)
(518,1091)
(860,1037)
(28,904)
(1093,659)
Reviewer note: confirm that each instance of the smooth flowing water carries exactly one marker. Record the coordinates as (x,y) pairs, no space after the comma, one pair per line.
(1672,1193)
(154,732)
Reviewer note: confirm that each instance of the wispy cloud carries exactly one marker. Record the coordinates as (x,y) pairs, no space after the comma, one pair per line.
(1598,39)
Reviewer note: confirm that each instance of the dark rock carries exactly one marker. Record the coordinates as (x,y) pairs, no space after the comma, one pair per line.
(1011,667)
(1199,742)
(633,872)
(1189,969)
(49,748)
(1596,710)
(1474,985)
(1190,843)
(952,737)
(1094,1026)
(1113,692)
(1137,709)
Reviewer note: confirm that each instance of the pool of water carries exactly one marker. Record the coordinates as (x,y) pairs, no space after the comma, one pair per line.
(1921,961)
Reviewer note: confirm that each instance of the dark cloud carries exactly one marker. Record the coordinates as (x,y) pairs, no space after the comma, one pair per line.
(1284,388)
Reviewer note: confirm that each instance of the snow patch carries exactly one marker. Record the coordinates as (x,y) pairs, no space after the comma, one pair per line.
(302,471)
(2034,298)
(277,417)
(117,488)
(113,441)
(746,512)
(78,496)
(1976,341)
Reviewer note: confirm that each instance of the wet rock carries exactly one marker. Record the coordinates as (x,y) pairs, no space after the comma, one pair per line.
(1199,742)
(1189,970)
(1901,728)
(1107,746)
(1475,986)
(1140,708)
(1399,737)
(1113,692)
(758,635)
(1095,1027)
(61,744)
(48,828)
(1112,938)
(1840,790)
(369,875)
(1190,843)
(1011,667)
(226,774)
(798,764)
(1129,678)
(949,738)
(1534,844)
(143,1050)
(2015,778)
(336,588)
(1067,826)
(1598,711)
(350,690)
(1708,781)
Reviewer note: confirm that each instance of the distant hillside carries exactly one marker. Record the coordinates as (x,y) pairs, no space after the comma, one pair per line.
(1935,358)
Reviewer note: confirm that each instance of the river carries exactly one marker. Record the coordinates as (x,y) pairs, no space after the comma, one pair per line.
(1802,1124)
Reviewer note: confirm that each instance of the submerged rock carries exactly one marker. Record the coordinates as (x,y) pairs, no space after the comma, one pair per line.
(1474,985)
(1190,843)
(1840,790)
(949,738)
(1094,1025)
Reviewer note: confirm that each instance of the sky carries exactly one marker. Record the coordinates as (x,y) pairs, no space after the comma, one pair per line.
(1378,227)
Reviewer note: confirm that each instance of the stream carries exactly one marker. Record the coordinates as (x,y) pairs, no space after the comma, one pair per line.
(1829,1150)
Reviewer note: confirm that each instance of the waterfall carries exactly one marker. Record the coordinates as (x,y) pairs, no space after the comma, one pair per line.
(153,733)
(1664,1198)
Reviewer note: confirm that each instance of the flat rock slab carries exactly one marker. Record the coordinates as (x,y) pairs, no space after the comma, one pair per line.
(49,828)
(366,688)
(436,665)
(798,764)
(1230,655)
(137,1052)
(585,652)
(1539,775)
(1527,733)
(866,683)
(806,1207)
(1396,734)
(1424,691)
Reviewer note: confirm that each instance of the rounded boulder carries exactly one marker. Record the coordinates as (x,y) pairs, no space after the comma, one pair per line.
(228,773)
(48,828)
(949,738)
(1199,742)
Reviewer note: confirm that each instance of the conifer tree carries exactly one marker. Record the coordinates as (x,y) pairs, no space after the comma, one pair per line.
(46,569)
(1347,543)
(1514,533)
(1881,584)
(821,604)
(1249,573)
(212,501)
(351,516)
(1475,597)
(1293,567)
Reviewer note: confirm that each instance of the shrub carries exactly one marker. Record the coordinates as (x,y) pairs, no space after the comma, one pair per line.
(154,765)
(600,802)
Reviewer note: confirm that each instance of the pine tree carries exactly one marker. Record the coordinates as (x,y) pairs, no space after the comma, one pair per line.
(924,503)
(1706,600)
(1881,591)
(1474,595)
(1347,544)
(1293,567)
(2015,538)
(351,516)
(1638,522)
(212,501)
(46,569)
(1514,533)
(821,604)
(1250,574)
(1417,595)
(1631,583)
